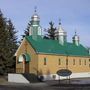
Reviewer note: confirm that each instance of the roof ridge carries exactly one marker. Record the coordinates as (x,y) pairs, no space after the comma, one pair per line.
(53,46)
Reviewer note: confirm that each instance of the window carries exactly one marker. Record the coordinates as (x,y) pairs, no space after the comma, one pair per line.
(45,61)
(73,61)
(89,60)
(84,62)
(79,61)
(59,62)
(89,65)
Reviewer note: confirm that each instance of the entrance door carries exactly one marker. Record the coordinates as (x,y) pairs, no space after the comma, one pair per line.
(26,67)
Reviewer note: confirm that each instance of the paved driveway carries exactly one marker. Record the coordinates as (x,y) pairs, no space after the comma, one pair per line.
(26,87)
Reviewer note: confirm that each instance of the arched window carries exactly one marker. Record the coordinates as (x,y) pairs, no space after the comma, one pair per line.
(89,65)
(79,61)
(59,61)
(45,61)
(73,61)
(89,60)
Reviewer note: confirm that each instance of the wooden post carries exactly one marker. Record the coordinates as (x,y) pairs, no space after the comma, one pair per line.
(59,80)
(23,66)
(69,79)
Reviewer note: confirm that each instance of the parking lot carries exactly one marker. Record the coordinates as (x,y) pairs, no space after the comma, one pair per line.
(74,84)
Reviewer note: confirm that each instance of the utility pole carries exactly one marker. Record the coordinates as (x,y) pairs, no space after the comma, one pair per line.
(67,63)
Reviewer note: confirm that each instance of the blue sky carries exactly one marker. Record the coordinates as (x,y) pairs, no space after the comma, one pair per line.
(74,14)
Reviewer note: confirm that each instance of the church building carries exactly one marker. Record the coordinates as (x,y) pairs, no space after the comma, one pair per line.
(44,57)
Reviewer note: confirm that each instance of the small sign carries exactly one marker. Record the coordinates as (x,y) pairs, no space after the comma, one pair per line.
(64,72)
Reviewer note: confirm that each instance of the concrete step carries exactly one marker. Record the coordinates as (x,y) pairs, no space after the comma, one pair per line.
(23,78)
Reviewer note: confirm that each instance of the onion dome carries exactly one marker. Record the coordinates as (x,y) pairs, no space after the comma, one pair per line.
(76,39)
(35,16)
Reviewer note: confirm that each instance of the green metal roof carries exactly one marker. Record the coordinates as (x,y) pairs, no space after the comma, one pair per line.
(53,47)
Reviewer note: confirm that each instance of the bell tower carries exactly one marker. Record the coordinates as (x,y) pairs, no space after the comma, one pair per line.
(35,28)
(62,35)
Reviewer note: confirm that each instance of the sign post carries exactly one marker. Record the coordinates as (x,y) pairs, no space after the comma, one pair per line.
(64,73)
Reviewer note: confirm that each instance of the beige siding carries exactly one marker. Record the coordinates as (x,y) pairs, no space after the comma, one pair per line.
(53,60)
(34,58)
